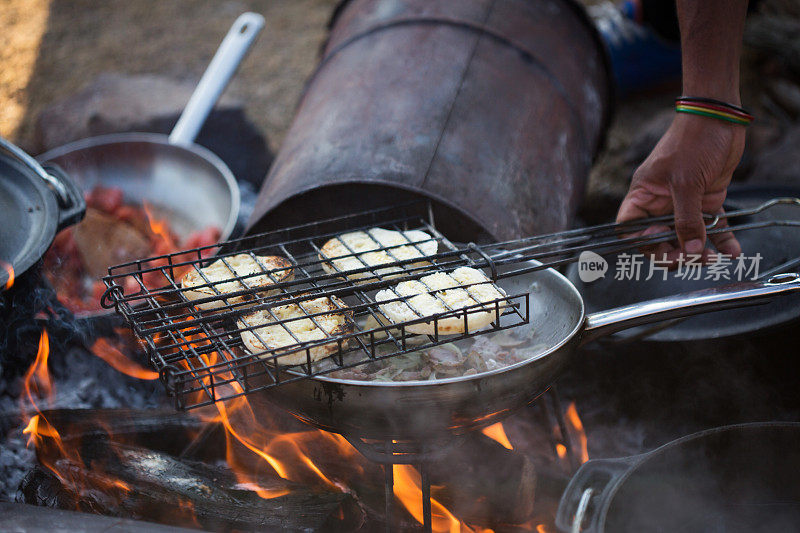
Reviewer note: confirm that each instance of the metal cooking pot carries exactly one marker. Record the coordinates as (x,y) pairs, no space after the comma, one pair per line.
(434,409)
(731,479)
(190,185)
(35,203)
(490,109)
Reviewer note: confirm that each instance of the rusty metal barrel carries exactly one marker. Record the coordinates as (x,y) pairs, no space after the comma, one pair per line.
(493,109)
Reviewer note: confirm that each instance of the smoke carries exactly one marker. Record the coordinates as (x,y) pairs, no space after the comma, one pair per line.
(636,397)
(28,306)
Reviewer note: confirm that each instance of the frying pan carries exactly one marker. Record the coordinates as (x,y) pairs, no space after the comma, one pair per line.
(740,478)
(422,410)
(187,184)
(35,203)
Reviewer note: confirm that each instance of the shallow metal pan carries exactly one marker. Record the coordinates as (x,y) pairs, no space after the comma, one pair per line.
(432,409)
(191,186)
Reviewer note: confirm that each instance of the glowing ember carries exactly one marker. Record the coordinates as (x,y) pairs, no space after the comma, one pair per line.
(111,355)
(498,433)
(561,450)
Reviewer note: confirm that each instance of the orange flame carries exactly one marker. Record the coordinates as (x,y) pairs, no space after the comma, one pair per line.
(35,432)
(561,450)
(111,355)
(292,456)
(10,272)
(37,384)
(242,427)
(286,453)
(498,433)
(289,455)
(408,491)
(44,436)
(122,485)
(160,229)
(575,421)
(37,379)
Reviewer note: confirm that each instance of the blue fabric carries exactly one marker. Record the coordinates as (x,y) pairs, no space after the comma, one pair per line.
(640,59)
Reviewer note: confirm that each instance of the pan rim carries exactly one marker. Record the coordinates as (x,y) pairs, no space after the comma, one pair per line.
(158,139)
(482,375)
(39,239)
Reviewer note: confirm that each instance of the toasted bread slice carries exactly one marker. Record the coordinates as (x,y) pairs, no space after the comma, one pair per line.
(337,320)
(367,245)
(439,293)
(222,278)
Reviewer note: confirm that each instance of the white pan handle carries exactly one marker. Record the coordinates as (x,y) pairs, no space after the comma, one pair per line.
(216,77)
(688,304)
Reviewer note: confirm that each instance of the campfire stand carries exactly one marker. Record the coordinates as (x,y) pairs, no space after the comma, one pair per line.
(421,454)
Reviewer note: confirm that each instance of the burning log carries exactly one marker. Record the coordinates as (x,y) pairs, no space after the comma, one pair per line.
(164,430)
(120,480)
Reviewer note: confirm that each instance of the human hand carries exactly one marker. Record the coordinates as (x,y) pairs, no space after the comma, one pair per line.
(687,174)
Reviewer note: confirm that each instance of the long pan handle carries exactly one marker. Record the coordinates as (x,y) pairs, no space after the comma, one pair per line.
(216,77)
(688,304)
(594,481)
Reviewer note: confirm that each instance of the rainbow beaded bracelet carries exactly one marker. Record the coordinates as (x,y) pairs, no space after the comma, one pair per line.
(708,107)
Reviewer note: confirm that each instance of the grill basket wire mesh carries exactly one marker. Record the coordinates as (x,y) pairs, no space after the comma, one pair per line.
(200,354)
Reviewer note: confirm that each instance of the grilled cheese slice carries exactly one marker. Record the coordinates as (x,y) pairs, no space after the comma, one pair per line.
(278,331)
(441,293)
(362,249)
(201,283)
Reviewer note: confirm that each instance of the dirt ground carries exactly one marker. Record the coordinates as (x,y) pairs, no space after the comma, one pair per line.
(50,49)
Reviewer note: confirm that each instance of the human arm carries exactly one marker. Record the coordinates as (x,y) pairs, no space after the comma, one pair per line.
(689,170)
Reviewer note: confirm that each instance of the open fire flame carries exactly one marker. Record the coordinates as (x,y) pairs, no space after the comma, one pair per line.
(112,355)
(37,389)
(291,456)
(165,242)
(252,445)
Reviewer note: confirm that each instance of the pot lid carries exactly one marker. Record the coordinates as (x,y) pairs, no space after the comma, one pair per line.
(35,203)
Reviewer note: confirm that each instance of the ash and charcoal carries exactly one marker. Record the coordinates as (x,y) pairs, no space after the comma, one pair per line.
(80,379)
(158,486)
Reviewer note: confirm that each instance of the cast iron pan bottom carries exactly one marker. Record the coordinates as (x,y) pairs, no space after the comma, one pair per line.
(737,479)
